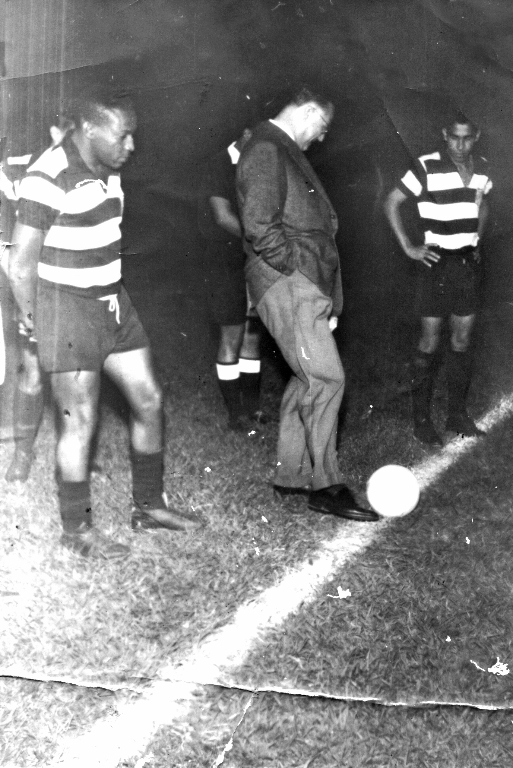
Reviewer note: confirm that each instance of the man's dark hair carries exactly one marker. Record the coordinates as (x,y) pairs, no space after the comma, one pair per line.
(305,94)
(92,105)
(459,118)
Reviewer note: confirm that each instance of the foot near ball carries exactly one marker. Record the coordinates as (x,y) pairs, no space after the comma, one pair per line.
(338,500)
(463,425)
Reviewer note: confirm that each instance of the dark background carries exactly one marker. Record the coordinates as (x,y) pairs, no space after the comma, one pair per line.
(200,71)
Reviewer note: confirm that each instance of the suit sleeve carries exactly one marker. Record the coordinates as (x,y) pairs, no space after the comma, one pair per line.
(262,184)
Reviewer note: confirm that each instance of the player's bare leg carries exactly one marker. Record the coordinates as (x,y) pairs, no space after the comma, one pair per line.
(426,363)
(133,373)
(76,394)
(28,412)
(459,373)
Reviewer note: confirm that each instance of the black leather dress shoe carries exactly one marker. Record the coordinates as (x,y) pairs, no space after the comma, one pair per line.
(338,500)
(281,492)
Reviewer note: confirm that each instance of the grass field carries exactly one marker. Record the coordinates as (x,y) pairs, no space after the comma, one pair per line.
(410,669)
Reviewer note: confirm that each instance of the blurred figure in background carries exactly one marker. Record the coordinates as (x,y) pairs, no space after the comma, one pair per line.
(238,354)
(28,398)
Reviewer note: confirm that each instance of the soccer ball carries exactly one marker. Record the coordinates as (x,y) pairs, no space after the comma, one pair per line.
(393,491)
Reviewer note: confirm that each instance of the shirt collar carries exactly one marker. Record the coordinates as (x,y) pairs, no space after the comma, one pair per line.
(284,128)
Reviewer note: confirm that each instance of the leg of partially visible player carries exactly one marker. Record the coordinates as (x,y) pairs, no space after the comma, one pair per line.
(28,411)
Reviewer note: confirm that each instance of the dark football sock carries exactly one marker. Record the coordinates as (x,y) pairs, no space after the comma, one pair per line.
(75,504)
(425,369)
(459,372)
(147,479)
(229,383)
(250,384)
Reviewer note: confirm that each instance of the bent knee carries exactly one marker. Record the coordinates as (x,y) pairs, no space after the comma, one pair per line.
(149,401)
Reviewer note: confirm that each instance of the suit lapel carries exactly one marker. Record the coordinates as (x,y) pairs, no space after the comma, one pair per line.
(299,158)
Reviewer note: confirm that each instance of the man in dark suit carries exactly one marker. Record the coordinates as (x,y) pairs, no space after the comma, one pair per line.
(293,275)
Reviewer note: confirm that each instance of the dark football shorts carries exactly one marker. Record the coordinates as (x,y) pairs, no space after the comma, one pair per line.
(449,287)
(77,333)
(225,283)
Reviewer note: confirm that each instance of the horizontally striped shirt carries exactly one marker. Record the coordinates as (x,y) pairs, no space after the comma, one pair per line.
(448,209)
(81,217)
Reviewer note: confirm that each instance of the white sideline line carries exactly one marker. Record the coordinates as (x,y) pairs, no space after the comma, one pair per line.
(127,734)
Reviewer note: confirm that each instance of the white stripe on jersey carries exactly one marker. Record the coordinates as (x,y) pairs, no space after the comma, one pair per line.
(452,242)
(84,238)
(480,181)
(18,160)
(90,195)
(448,212)
(424,158)
(86,277)
(437,182)
(412,183)
(42,191)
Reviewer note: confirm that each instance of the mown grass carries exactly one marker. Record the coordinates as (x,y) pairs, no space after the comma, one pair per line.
(115,625)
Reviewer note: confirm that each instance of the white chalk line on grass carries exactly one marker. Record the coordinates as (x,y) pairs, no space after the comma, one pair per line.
(121,737)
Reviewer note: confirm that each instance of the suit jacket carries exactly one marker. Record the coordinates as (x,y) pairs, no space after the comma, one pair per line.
(288,220)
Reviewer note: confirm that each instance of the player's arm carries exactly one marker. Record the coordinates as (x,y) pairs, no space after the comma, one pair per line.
(225,216)
(262,187)
(481,226)
(26,245)
(421,253)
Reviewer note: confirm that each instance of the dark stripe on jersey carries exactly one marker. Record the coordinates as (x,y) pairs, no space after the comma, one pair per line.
(110,208)
(94,257)
(450,227)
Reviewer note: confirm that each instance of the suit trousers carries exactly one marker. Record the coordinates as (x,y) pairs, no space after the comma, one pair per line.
(296,314)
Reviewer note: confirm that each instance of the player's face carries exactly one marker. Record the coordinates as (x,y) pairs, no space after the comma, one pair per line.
(460,140)
(316,125)
(112,142)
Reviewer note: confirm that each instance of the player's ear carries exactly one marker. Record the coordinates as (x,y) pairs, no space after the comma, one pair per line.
(88,129)
(444,133)
(478,134)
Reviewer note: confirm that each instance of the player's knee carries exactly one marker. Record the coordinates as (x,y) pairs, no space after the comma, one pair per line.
(460,343)
(150,401)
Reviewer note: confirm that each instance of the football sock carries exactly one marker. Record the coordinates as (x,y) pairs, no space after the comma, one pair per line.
(250,384)
(147,479)
(228,377)
(74,504)
(459,372)
(425,369)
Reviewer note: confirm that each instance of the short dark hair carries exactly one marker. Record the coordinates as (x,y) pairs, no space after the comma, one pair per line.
(458,117)
(92,105)
(304,94)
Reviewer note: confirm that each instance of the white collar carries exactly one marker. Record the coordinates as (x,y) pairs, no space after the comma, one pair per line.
(284,128)
(234,153)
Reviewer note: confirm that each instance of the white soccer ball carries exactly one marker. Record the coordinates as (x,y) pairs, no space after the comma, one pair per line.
(393,491)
